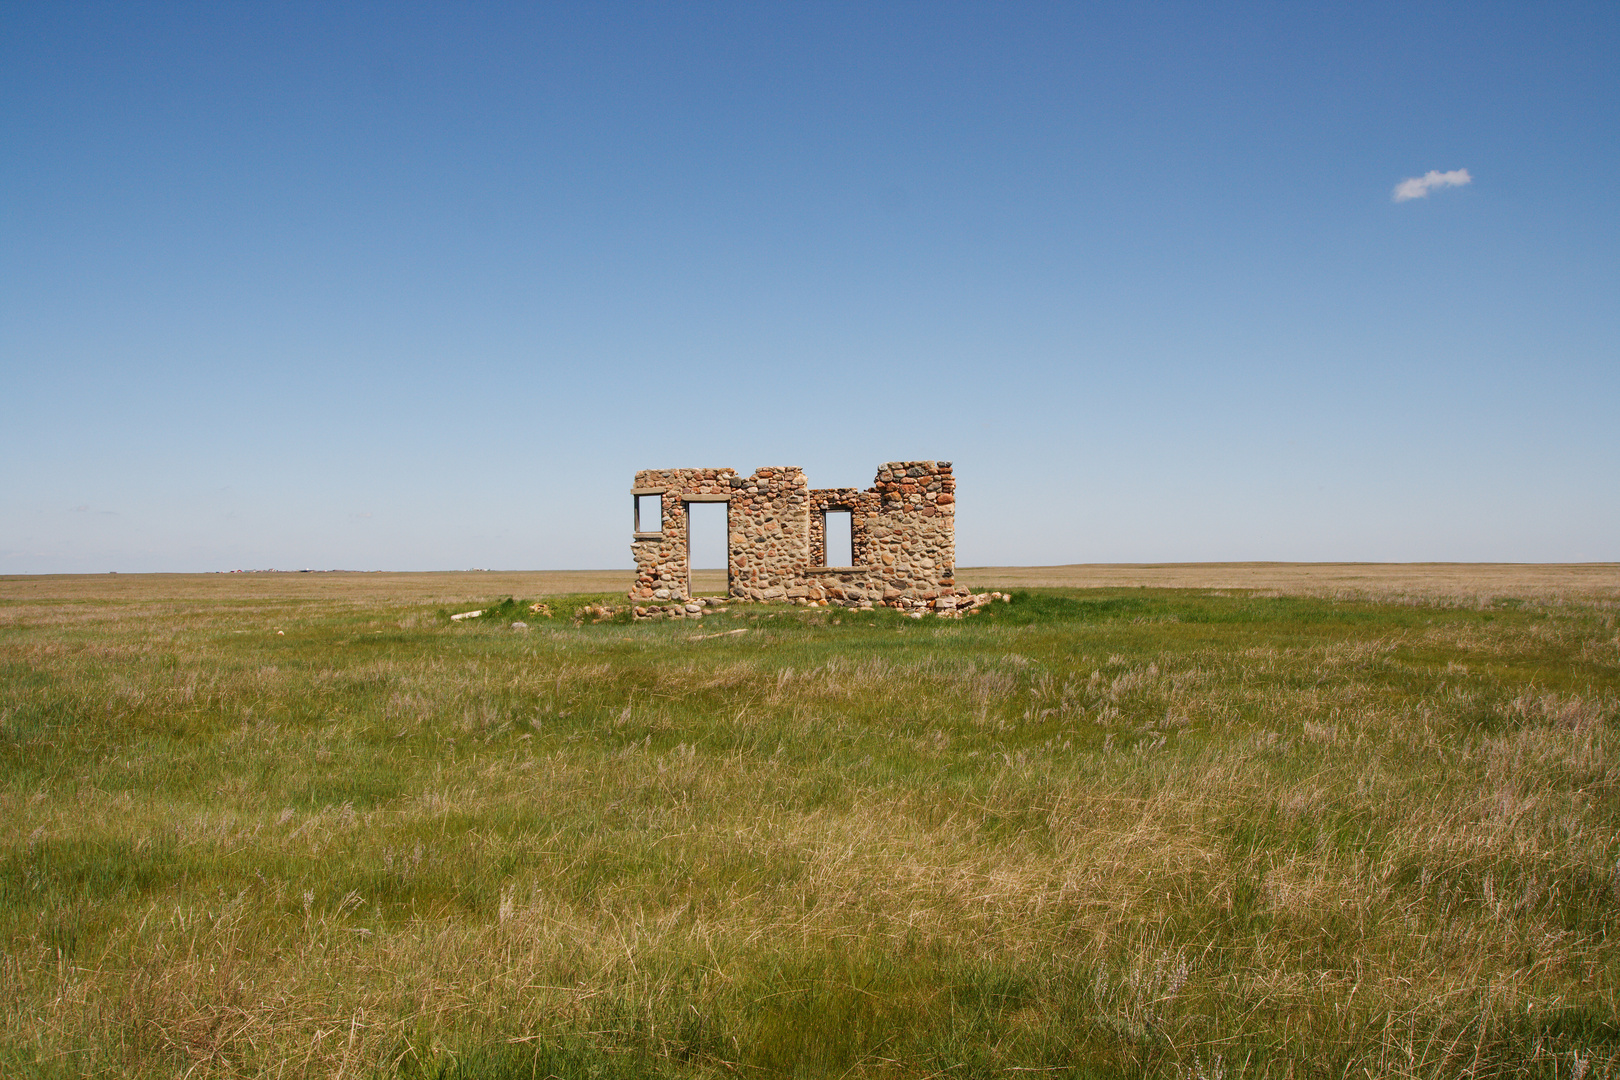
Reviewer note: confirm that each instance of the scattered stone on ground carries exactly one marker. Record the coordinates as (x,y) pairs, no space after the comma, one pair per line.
(595,612)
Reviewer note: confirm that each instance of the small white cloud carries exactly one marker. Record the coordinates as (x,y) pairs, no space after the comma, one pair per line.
(1418,187)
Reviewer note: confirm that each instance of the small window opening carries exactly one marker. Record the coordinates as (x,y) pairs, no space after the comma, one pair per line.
(649,513)
(840,533)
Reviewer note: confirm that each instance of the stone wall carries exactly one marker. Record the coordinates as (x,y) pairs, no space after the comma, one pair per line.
(661,551)
(862,505)
(903,531)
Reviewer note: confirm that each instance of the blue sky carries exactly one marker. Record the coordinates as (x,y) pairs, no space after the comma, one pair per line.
(420,287)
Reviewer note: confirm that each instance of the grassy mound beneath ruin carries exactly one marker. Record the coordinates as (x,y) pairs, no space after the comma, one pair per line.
(1107,832)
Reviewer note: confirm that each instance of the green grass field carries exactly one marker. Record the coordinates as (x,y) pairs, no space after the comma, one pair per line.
(1094,832)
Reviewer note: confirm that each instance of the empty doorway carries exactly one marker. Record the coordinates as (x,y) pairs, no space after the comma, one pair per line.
(707,548)
(840,533)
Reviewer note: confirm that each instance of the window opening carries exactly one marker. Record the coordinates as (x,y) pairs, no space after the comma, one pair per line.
(649,513)
(840,534)
(706,548)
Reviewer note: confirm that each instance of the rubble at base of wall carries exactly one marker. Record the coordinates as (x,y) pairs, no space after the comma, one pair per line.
(682,609)
(950,606)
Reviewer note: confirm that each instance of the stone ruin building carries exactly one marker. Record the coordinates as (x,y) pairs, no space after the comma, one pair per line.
(902,538)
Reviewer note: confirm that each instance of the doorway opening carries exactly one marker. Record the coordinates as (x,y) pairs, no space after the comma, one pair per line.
(707,548)
(839,530)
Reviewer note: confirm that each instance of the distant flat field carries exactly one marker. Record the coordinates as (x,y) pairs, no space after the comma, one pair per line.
(1542,580)
(438,586)
(1586,581)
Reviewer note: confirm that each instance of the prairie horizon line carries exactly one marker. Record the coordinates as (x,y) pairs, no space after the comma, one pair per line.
(960,567)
